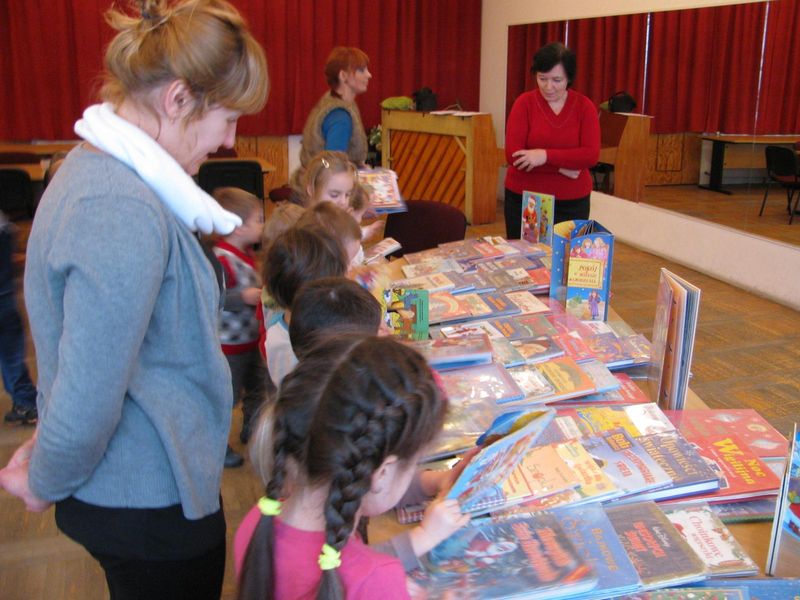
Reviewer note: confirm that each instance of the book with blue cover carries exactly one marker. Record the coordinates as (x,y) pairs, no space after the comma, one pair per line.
(783,558)
(592,534)
(770,588)
(523,326)
(455,353)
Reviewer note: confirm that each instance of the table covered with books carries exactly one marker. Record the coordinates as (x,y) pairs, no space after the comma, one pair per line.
(584,487)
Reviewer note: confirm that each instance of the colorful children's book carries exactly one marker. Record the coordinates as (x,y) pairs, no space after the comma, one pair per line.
(749,426)
(711,540)
(523,326)
(574,346)
(627,393)
(583,253)
(526,248)
(433,282)
(603,379)
(454,353)
(689,472)
(537,217)
(586,421)
(485,383)
(609,349)
(469,328)
(527,303)
(555,379)
(761,509)
(783,558)
(384,192)
(444,307)
(769,588)
(659,553)
(528,557)
(536,350)
(407,313)
(592,534)
(431,267)
(505,353)
(479,487)
(383,248)
(626,462)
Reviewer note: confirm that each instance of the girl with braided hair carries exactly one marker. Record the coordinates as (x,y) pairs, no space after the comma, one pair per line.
(348,427)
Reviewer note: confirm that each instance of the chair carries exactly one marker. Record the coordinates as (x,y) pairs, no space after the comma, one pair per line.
(16,191)
(244,174)
(10,158)
(426,225)
(782,168)
(281,194)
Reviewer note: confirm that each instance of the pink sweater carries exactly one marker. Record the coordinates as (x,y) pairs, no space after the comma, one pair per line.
(365,574)
(571,139)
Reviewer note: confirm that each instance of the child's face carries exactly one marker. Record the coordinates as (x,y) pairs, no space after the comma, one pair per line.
(338,189)
(252,228)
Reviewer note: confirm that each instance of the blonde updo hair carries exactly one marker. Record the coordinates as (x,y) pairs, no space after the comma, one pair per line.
(204,43)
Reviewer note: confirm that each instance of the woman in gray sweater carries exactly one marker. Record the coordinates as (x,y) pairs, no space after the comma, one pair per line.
(134,392)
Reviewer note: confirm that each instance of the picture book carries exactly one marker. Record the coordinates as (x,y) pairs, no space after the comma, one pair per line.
(499,304)
(383,248)
(469,328)
(761,509)
(593,536)
(453,353)
(467,418)
(497,279)
(406,313)
(500,243)
(534,350)
(770,588)
(659,553)
(583,253)
(627,393)
(431,254)
(567,377)
(528,557)
(602,378)
(626,462)
(505,353)
(479,487)
(689,472)
(721,554)
(531,250)
(431,267)
(574,346)
(783,557)
(472,282)
(586,421)
(444,306)
(742,475)
(609,349)
(384,193)
(533,383)
(674,327)
(693,593)
(527,302)
(595,482)
(433,282)
(523,326)
(754,430)
(508,263)
(537,217)
(475,305)
(484,383)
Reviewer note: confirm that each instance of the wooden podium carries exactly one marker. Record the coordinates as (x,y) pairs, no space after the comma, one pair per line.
(446,158)
(623,143)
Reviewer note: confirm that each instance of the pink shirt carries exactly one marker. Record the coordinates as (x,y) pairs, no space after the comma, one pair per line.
(571,138)
(365,574)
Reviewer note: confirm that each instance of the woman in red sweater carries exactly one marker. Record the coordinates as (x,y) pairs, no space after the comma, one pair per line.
(552,138)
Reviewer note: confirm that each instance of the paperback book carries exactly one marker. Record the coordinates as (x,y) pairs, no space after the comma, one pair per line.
(485,383)
(384,193)
(771,588)
(523,326)
(431,267)
(535,350)
(556,379)
(383,248)
(454,353)
(783,557)
(537,217)
(406,313)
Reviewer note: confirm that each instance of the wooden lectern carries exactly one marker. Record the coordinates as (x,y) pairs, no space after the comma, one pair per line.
(446,158)
(623,143)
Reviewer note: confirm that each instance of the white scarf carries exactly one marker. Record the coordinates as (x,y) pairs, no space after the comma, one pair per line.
(101,127)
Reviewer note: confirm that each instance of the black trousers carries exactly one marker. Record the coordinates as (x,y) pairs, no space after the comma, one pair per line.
(150,554)
(565,210)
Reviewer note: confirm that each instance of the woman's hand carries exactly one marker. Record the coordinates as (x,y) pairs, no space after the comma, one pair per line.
(526,160)
(442,519)
(14,477)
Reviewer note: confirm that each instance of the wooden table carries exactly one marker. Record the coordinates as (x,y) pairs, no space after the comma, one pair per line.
(43,149)
(746,151)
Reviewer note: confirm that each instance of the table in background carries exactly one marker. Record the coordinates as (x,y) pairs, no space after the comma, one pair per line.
(746,152)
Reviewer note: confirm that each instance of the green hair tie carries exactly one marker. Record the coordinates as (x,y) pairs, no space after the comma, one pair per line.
(269,507)
(330,558)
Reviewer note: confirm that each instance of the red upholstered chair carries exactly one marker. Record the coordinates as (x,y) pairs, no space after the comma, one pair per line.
(783,169)
(281,194)
(426,225)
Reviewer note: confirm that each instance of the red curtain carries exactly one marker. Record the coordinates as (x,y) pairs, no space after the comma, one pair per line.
(523,42)
(610,52)
(411,44)
(703,72)
(779,104)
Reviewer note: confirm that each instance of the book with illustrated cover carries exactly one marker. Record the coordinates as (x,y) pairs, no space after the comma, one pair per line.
(602,378)
(461,283)
(595,482)
(592,534)
(783,557)
(498,279)
(533,383)
(434,282)
(627,393)
(500,304)
(540,279)
(406,313)
(479,487)
(430,267)
(749,426)
(505,353)
(586,421)
(609,349)
(453,353)
(583,253)
(470,328)
(689,472)
(484,383)
(694,593)
(384,194)
(567,377)
(509,263)
(476,282)
(500,243)
(431,254)
(531,250)
(626,462)
(711,540)
(761,509)
(659,553)
(474,303)
(770,588)
(537,218)
(523,326)
(528,557)
(574,346)
(527,302)
(565,323)
(536,350)
(444,307)
(383,248)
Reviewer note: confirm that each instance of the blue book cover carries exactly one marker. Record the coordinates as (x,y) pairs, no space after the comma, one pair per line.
(500,304)
(523,326)
(537,217)
(772,588)
(590,531)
